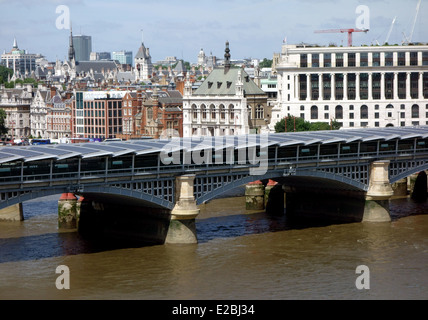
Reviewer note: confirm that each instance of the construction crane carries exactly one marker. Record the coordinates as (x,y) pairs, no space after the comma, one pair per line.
(408,40)
(349,31)
(390,30)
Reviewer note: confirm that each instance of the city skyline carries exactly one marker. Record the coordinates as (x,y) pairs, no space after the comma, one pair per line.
(255,29)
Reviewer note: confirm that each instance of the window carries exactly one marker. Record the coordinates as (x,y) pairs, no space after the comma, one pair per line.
(376,59)
(401,58)
(339,112)
(339,59)
(232,112)
(222,112)
(425,58)
(315,60)
(303,61)
(314,112)
(351,59)
(204,112)
(389,59)
(213,113)
(195,113)
(364,59)
(415,111)
(364,112)
(259,112)
(327,60)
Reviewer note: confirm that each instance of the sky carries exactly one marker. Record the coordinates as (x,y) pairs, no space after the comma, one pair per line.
(255,29)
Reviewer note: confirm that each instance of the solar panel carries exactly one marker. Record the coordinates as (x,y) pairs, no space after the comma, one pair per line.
(148,146)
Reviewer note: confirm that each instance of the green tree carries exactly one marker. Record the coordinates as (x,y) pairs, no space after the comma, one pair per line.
(293,124)
(299,124)
(266,63)
(3,128)
(4,74)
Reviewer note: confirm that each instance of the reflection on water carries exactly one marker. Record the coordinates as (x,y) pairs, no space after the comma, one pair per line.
(240,255)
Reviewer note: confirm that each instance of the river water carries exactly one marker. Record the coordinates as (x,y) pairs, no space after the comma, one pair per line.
(240,255)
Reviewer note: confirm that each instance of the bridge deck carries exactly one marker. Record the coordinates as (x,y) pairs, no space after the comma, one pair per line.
(152,146)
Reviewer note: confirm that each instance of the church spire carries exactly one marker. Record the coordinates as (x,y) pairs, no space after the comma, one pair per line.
(71,53)
(15,44)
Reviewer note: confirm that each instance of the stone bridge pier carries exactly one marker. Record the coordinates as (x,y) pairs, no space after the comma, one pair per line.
(376,207)
(182,227)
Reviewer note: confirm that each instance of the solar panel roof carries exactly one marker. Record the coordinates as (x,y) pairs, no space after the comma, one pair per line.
(151,146)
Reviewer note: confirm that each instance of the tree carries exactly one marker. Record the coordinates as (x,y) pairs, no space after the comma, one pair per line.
(266,63)
(293,124)
(3,128)
(4,74)
(299,124)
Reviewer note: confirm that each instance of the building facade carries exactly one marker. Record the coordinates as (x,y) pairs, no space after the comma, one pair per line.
(228,102)
(21,62)
(374,86)
(97,114)
(143,67)
(16,103)
(124,57)
(82,47)
(38,113)
(59,119)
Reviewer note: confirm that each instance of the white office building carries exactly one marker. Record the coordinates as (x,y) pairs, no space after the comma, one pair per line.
(370,86)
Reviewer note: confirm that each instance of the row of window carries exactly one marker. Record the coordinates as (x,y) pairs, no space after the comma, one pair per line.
(364,112)
(338,59)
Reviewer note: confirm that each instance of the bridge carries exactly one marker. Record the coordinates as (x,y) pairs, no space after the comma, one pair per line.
(174,176)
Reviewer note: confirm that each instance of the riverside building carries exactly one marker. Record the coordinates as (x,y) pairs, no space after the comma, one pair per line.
(369,86)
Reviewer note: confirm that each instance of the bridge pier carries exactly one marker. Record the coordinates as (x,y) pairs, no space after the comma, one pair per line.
(376,207)
(12,213)
(274,198)
(182,227)
(255,196)
(67,211)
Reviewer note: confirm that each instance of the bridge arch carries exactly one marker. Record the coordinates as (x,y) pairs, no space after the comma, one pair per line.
(210,187)
(397,173)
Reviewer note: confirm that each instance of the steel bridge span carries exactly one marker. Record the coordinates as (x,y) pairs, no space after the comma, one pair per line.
(179,174)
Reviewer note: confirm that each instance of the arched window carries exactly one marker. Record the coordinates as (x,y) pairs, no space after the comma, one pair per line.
(194,112)
(212,110)
(415,111)
(222,112)
(149,113)
(232,112)
(339,112)
(389,106)
(204,111)
(314,112)
(364,112)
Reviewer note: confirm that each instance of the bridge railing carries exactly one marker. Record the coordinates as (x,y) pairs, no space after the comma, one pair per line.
(132,165)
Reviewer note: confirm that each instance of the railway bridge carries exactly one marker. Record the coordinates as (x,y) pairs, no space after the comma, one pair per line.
(170,178)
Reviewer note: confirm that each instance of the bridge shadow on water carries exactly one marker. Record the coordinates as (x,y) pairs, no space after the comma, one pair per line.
(50,245)
(238,225)
(57,244)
